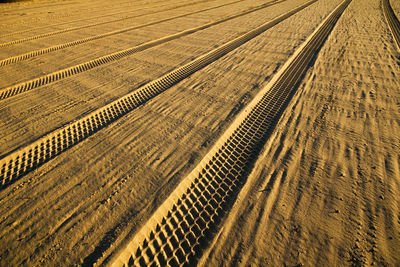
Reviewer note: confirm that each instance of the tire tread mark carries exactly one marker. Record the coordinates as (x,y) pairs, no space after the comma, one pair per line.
(78,20)
(179,230)
(43,51)
(392,21)
(23,160)
(21,87)
(44,35)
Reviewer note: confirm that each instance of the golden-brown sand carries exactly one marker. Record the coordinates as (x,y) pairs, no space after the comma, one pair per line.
(324,190)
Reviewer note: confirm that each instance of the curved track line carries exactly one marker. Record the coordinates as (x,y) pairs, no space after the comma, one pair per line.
(68,72)
(179,230)
(28,55)
(92,25)
(21,161)
(392,21)
(78,20)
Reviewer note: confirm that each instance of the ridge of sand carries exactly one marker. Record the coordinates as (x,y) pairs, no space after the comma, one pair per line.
(91,197)
(326,189)
(396,7)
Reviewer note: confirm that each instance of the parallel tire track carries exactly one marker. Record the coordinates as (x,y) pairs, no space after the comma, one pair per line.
(78,20)
(392,20)
(92,25)
(18,163)
(76,8)
(52,17)
(28,55)
(68,72)
(179,230)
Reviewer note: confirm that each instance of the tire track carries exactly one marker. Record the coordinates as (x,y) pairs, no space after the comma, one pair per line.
(30,8)
(23,160)
(78,20)
(94,24)
(87,8)
(28,55)
(68,72)
(392,21)
(182,226)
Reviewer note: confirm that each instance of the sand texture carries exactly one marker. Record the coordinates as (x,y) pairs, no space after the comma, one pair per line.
(395,6)
(324,190)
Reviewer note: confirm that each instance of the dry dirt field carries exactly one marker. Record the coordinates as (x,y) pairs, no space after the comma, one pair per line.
(208,132)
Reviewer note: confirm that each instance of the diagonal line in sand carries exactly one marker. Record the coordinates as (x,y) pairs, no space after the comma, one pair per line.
(88,26)
(23,160)
(180,229)
(70,71)
(392,21)
(78,20)
(46,50)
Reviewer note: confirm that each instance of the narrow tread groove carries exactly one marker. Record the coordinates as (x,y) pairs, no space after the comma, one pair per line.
(180,228)
(89,25)
(108,58)
(19,162)
(84,19)
(392,21)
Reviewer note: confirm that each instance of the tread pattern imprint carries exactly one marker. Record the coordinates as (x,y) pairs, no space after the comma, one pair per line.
(21,161)
(392,21)
(180,228)
(86,66)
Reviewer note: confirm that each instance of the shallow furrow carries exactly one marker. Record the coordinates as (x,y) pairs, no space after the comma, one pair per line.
(182,226)
(55,17)
(18,163)
(92,25)
(392,21)
(28,55)
(78,20)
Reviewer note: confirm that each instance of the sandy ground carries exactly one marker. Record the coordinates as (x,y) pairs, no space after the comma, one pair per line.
(85,92)
(324,190)
(396,7)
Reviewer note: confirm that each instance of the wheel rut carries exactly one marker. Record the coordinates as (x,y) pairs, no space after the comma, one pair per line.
(47,50)
(92,25)
(79,20)
(85,9)
(25,159)
(392,21)
(182,227)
